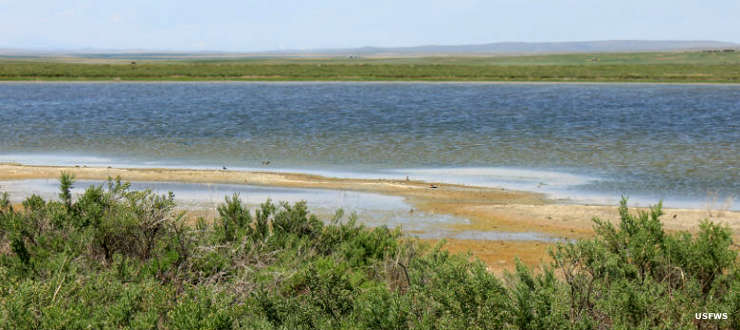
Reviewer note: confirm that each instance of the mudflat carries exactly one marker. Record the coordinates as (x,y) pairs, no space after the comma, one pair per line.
(488,209)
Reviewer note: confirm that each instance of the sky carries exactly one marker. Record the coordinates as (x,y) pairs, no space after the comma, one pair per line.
(246,25)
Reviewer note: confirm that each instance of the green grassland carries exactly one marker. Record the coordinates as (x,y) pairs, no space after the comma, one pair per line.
(679,67)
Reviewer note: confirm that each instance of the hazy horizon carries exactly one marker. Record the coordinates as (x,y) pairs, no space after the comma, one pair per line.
(350,49)
(250,26)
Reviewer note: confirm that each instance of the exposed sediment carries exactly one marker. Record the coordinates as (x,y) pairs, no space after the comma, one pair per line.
(488,209)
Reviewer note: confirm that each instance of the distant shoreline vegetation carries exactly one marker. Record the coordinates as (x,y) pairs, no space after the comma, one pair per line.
(689,67)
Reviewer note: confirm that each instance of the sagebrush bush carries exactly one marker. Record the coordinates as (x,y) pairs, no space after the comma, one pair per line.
(116,258)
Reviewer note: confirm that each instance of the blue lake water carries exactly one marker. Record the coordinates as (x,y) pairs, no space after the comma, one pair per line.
(584,142)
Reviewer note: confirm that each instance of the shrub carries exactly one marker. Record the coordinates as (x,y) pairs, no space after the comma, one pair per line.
(116,258)
(636,275)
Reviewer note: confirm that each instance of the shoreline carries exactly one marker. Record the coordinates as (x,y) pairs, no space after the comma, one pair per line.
(487,208)
(112,80)
(552,185)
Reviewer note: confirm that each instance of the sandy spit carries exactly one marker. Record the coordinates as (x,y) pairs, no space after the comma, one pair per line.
(489,209)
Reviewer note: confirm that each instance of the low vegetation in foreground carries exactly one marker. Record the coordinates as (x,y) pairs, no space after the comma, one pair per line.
(718,67)
(116,258)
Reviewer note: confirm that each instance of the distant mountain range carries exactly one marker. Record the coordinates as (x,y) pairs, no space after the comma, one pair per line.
(496,48)
(540,47)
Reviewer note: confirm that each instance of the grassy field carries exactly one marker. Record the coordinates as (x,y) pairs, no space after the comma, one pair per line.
(714,67)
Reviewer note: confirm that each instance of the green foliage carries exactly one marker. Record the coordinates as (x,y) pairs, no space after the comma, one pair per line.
(116,258)
(608,67)
(537,300)
(5,205)
(66,182)
(634,275)
(234,218)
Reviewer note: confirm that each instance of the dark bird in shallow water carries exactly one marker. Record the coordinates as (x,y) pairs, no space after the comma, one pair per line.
(224,167)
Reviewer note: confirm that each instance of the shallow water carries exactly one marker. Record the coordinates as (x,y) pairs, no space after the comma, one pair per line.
(372,209)
(680,143)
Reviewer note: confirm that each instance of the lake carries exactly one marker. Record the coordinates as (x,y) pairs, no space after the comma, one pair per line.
(576,142)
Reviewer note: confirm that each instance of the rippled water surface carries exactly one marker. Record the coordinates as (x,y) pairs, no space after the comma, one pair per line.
(676,142)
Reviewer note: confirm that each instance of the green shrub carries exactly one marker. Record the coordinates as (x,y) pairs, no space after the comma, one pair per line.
(634,275)
(116,258)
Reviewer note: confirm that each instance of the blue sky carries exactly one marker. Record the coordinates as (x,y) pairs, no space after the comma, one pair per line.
(287,24)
